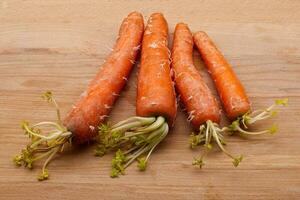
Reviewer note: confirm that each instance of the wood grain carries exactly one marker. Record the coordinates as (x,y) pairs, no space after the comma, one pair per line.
(59,44)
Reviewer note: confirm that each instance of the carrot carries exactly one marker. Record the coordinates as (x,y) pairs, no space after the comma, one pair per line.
(203,110)
(194,93)
(155,104)
(232,94)
(104,89)
(81,123)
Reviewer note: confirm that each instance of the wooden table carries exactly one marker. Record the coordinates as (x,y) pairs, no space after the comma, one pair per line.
(59,45)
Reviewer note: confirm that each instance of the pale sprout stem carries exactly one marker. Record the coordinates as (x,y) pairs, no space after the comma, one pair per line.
(136,155)
(132,149)
(251,133)
(126,127)
(164,134)
(134,119)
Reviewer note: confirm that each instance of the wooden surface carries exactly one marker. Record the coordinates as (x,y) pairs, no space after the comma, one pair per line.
(59,45)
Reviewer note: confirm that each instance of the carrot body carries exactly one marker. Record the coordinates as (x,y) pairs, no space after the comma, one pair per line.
(230,89)
(194,93)
(95,104)
(155,92)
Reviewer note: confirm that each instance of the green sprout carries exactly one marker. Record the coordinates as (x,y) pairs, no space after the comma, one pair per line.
(241,124)
(133,138)
(198,162)
(43,175)
(209,133)
(43,144)
(236,161)
(142,163)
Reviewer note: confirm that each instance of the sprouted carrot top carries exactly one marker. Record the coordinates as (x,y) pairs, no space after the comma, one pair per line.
(90,111)
(136,138)
(233,97)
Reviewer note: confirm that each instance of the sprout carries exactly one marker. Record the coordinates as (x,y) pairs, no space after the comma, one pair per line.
(118,163)
(142,163)
(196,139)
(100,150)
(198,162)
(43,175)
(133,137)
(209,133)
(283,102)
(44,144)
(241,124)
(273,129)
(236,161)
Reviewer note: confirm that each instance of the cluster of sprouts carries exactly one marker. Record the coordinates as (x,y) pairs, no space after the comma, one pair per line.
(210,132)
(133,139)
(47,139)
(241,124)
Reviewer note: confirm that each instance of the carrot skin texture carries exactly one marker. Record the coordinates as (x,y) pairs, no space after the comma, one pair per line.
(194,93)
(155,92)
(232,94)
(95,104)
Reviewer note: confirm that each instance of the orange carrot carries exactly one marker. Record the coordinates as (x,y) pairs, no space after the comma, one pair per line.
(230,89)
(198,100)
(156,104)
(155,94)
(194,93)
(95,104)
(104,89)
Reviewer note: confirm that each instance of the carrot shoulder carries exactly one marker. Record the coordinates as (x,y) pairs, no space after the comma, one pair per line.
(194,93)
(155,92)
(96,103)
(230,89)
